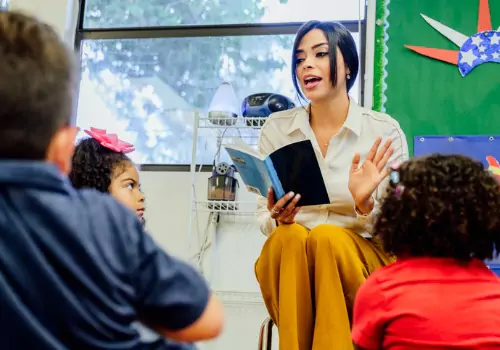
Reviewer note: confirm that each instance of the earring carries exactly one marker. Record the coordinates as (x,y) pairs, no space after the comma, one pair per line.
(348,76)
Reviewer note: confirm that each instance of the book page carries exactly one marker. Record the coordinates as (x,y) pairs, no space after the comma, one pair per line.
(241,146)
(252,170)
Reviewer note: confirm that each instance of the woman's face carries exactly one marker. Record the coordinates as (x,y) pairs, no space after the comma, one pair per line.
(313,67)
(125,189)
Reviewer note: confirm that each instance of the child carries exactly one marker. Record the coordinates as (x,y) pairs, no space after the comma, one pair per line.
(441,218)
(100,162)
(76,268)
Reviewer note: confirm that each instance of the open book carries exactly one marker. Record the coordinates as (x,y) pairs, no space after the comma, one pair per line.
(293,167)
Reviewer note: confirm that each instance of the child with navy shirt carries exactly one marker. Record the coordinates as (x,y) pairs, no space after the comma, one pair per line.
(76,268)
(100,162)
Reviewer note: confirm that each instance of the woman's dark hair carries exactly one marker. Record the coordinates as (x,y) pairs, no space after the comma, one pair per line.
(337,36)
(443,206)
(94,165)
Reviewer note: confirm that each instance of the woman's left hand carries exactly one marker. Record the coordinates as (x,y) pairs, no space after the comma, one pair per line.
(364,179)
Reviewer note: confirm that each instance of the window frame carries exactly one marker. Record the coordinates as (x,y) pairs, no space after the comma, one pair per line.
(221,30)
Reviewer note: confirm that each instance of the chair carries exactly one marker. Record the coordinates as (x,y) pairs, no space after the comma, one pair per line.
(266,334)
(495,268)
(494,265)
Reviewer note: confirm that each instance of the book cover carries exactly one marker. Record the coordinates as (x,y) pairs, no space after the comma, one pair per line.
(293,167)
(298,170)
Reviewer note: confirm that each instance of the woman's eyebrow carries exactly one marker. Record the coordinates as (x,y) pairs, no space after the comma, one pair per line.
(313,47)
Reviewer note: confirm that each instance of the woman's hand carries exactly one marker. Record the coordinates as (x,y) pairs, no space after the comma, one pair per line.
(281,211)
(364,179)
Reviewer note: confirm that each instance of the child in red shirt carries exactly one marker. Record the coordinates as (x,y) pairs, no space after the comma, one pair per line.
(441,218)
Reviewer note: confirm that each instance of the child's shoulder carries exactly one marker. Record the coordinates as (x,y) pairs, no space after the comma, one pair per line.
(90,201)
(103,219)
(388,273)
(408,270)
(102,209)
(93,199)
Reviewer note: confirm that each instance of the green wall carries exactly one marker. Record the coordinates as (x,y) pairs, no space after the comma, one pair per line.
(430,97)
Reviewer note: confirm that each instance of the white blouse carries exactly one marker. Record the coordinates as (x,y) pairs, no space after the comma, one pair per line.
(361,127)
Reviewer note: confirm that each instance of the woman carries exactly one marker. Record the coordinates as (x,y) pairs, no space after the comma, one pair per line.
(315,258)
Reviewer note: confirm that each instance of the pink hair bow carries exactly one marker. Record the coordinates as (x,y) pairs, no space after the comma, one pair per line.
(110,141)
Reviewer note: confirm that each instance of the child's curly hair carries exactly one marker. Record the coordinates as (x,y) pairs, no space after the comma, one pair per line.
(445,206)
(93,165)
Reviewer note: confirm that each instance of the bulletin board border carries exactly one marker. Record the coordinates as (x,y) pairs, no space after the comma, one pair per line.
(381,49)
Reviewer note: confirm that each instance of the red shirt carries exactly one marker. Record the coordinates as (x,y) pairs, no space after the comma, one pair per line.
(429,303)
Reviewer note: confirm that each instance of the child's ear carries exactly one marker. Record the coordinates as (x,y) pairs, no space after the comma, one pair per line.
(61,148)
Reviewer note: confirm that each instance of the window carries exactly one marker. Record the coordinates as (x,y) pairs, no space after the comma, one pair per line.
(148,13)
(144,81)
(4,5)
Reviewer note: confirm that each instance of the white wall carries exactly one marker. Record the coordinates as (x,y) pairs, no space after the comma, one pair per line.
(229,261)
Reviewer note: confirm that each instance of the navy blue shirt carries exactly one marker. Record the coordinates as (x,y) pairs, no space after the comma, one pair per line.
(77,269)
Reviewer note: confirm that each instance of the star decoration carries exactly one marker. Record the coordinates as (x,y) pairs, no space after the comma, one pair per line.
(479,48)
(476,40)
(495,39)
(468,57)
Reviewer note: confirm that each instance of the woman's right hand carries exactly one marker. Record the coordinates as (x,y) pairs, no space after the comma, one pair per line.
(281,211)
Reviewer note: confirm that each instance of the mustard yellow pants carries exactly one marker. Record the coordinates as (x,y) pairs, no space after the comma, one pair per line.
(309,281)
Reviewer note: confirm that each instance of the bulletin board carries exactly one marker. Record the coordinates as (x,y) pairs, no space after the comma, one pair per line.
(428,96)
(485,149)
